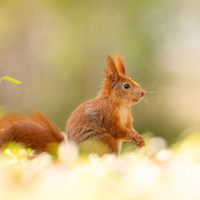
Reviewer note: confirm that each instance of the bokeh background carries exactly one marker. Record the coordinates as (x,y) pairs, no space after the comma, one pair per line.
(57,49)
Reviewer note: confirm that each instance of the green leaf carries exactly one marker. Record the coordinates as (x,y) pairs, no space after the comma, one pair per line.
(10,79)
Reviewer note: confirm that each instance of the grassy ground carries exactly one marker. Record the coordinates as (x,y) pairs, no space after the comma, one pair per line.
(154,172)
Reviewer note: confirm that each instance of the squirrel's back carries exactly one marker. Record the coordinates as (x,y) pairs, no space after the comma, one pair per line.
(87,119)
(35,131)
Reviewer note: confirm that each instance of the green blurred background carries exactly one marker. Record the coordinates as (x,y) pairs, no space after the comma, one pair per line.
(57,49)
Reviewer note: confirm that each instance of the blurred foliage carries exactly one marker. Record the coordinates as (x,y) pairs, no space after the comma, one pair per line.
(10,79)
(57,49)
(52,148)
(12,150)
(152,172)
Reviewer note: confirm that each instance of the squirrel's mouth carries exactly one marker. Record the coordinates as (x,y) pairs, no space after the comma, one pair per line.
(135,100)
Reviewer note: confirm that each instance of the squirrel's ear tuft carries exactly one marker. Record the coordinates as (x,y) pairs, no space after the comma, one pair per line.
(120,64)
(111,74)
(106,73)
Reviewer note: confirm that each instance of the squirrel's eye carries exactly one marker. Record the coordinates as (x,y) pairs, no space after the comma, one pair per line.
(126,86)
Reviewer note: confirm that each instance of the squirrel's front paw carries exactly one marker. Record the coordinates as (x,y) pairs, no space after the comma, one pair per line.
(133,135)
(141,142)
(138,139)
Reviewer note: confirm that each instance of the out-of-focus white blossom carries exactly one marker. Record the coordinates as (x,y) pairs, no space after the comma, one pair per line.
(163,173)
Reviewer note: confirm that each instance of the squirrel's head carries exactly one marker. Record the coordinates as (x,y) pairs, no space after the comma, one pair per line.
(122,88)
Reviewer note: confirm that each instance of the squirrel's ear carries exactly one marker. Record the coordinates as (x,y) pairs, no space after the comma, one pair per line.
(120,64)
(111,74)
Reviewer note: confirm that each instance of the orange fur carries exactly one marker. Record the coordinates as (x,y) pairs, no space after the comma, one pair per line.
(34,131)
(106,118)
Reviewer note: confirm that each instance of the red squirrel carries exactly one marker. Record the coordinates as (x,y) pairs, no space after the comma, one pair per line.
(106,118)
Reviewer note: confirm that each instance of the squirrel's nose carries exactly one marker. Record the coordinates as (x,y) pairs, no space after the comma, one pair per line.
(143,93)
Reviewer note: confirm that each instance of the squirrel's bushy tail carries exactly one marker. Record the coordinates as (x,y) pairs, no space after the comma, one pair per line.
(35,131)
